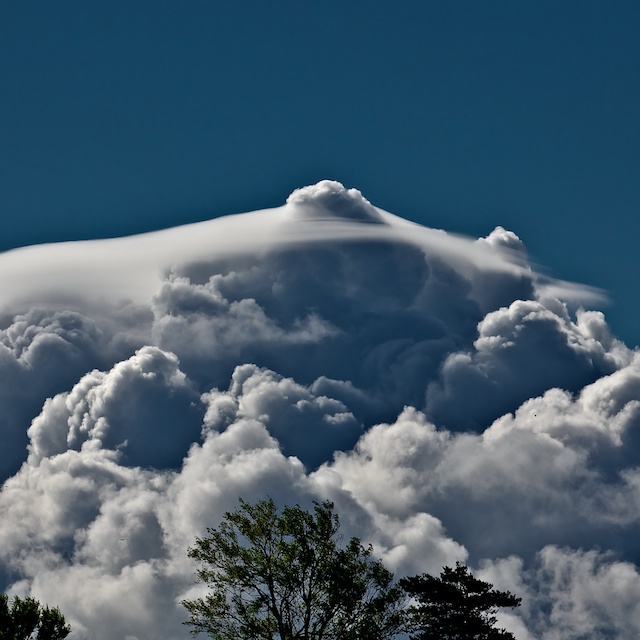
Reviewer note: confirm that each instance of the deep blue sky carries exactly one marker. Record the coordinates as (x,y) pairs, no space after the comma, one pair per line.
(121,117)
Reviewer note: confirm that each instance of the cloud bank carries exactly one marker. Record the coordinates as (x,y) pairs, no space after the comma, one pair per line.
(452,402)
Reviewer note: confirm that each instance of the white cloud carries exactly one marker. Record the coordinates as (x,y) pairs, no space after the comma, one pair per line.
(144,408)
(43,351)
(330,200)
(436,388)
(571,594)
(308,426)
(520,351)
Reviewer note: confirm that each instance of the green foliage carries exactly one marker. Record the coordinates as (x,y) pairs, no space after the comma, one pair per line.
(26,617)
(455,606)
(286,576)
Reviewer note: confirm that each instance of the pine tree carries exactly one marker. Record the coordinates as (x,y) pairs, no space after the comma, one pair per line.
(455,606)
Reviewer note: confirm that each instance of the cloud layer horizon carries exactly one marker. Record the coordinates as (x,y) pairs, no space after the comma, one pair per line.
(453,402)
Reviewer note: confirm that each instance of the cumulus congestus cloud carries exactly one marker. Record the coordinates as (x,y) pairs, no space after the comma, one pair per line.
(452,402)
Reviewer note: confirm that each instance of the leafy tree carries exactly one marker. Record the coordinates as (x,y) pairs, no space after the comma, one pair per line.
(455,606)
(26,617)
(286,576)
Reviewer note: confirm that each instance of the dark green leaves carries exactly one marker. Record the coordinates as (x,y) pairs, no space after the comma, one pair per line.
(286,575)
(26,617)
(455,606)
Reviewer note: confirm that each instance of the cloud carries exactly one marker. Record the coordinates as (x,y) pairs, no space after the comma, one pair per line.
(212,334)
(454,404)
(571,594)
(306,425)
(520,351)
(561,470)
(43,352)
(144,408)
(330,200)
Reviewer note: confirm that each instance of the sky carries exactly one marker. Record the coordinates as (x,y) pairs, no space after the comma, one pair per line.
(405,313)
(122,117)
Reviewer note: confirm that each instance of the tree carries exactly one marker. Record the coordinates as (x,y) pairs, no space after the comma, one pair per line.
(286,576)
(26,617)
(455,606)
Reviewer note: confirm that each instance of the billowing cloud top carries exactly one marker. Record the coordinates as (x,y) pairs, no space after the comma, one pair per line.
(329,200)
(452,402)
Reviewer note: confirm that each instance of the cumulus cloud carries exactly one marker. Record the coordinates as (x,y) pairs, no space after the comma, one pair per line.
(520,351)
(451,401)
(43,351)
(144,408)
(570,594)
(330,200)
(556,472)
(306,425)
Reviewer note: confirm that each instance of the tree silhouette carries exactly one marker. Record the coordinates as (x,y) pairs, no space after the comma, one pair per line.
(455,606)
(26,617)
(286,576)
